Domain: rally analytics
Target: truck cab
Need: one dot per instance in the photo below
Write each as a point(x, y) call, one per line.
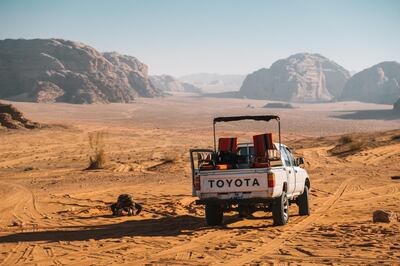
point(249, 176)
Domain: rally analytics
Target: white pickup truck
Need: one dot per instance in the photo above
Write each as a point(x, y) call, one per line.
point(247, 177)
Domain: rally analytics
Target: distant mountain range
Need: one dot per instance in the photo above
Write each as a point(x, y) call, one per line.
point(308, 77)
point(56, 70)
point(167, 83)
point(212, 82)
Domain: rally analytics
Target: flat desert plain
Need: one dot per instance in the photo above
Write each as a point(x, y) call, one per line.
point(53, 212)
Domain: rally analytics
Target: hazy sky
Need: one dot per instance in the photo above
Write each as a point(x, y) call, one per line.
point(183, 36)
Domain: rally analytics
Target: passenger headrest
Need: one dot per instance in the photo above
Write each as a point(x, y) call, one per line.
point(227, 144)
point(262, 143)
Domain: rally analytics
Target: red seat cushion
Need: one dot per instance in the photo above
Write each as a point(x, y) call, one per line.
point(262, 143)
point(227, 145)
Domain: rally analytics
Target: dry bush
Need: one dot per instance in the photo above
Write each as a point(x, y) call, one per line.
point(345, 139)
point(396, 137)
point(355, 146)
point(347, 145)
point(96, 143)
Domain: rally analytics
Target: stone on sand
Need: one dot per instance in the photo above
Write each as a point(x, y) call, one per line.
point(381, 216)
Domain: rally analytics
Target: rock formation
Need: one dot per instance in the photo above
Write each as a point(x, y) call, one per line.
point(11, 118)
point(279, 105)
point(299, 78)
point(168, 83)
point(190, 88)
point(136, 73)
point(377, 84)
point(55, 70)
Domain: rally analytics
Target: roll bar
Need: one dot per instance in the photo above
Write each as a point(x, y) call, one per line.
point(266, 118)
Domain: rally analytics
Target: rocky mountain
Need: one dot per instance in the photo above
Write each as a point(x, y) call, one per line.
point(377, 84)
point(396, 105)
point(55, 70)
point(168, 83)
point(301, 77)
point(11, 118)
point(212, 83)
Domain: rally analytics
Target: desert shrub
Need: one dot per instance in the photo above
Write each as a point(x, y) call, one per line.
point(345, 139)
point(396, 137)
point(96, 143)
point(355, 146)
point(347, 145)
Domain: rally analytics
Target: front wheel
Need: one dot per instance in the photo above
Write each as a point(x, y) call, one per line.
point(280, 210)
point(302, 202)
point(214, 214)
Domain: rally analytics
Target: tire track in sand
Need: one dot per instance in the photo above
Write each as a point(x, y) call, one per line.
point(214, 237)
point(277, 242)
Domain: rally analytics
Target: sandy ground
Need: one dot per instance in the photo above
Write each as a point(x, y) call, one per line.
point(53, 212)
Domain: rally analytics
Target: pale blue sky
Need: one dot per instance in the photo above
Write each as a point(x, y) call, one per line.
point(229, 37)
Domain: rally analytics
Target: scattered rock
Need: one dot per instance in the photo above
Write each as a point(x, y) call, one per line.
point(279, 105)
point(16, 223)
point(12, 118)
point(381, 216)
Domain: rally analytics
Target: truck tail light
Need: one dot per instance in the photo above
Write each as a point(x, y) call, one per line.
point(197, 182)
point(271, 179)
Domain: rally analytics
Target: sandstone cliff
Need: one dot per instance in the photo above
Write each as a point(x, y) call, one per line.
point(55, 70)
point(300, 78)
point(377, 84)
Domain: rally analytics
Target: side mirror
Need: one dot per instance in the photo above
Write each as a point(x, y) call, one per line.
point(299, 161)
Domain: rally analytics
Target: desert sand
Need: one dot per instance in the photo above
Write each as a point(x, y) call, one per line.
point(53, 212)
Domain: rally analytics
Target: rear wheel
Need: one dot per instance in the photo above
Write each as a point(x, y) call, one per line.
point(214, 214)
point(114, 209)
point(302, 202)
point(280, 210)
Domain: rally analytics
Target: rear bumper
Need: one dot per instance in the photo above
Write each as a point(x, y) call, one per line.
point(266, 201)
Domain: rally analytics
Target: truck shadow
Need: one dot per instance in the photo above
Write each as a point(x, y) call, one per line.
point(166, 226)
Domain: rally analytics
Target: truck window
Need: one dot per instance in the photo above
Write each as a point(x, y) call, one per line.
point(251, 152)
point(285, 157)
point(290, 156)
point(243, 156)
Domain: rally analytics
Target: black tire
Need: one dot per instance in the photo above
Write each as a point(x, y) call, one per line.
point(214, 214)
point(114, 209)
point(302, 202)
point(280, 210)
